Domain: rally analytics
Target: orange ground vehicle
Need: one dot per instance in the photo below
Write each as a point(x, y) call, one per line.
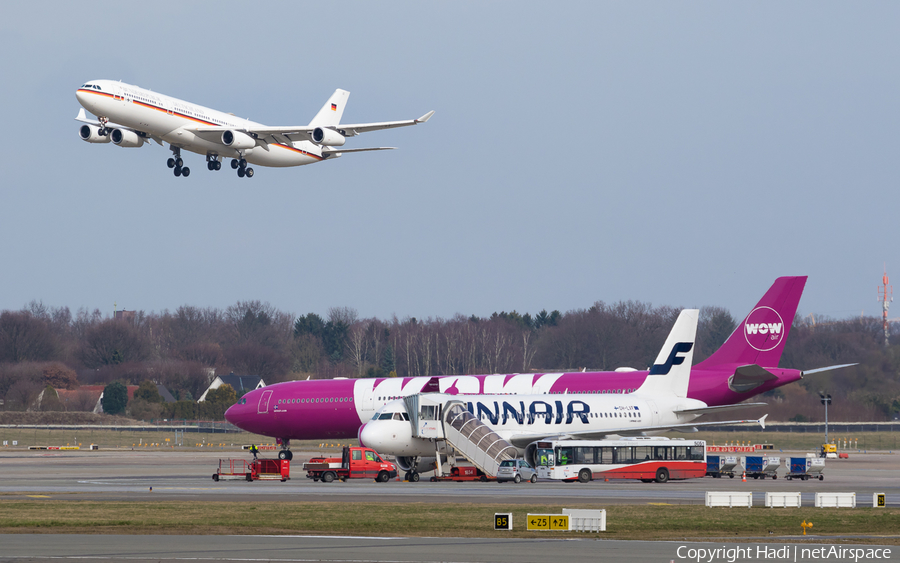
point(354, 463)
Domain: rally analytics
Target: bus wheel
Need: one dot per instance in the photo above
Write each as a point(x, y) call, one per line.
point(327, 477)
point(584, 475)
point(662, 475)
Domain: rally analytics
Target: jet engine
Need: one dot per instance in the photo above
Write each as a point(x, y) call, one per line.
point(91, 134)
point(424, 464)
point(327, 137)
point(237, 140)
point(126, 138)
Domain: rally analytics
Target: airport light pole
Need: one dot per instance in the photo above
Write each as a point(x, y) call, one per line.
point(826, 400)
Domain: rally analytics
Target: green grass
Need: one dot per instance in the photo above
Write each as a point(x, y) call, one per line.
point(691, 522)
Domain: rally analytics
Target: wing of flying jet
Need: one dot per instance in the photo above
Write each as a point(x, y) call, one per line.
point(522, 440)
point(83, 118)
point(326, 135)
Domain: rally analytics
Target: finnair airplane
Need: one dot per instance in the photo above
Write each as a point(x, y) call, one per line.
point(659, 404)
point(745, 365)
point(128, 116)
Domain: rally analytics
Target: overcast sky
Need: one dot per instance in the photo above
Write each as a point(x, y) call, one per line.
point(676, 153)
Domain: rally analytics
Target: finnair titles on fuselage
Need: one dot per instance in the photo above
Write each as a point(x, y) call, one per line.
point(128, 116)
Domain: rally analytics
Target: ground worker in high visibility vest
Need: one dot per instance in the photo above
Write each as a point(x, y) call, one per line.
point(254, 450)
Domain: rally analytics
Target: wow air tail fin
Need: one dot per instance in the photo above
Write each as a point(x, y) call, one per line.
point(331, 112)
point(671, 372)
point(759, 339)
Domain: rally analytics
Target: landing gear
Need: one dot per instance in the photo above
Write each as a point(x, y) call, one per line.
point(177, 164)
point(104, 130)
point(242, 168)
point(213, 162)
point(285, 453)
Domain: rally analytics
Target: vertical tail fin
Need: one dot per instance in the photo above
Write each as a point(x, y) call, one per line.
point(331, 112)
point(759, 339)
point(671, 372)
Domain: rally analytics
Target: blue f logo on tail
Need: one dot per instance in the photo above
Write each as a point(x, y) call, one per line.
point(673, 360)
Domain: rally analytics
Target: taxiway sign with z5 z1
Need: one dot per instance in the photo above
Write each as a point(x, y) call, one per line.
point(129, 116)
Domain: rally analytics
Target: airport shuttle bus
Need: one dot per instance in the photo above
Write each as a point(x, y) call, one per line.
point(648, 459)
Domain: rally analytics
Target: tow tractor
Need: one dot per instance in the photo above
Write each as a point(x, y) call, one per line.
point(354, 463)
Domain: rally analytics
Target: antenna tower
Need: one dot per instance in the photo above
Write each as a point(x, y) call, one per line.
point(885, 295)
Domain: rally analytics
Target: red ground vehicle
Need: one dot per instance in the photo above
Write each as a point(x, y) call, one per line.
point(463, 473)
point(354, 463)
point(256, 470)
point(270, 469)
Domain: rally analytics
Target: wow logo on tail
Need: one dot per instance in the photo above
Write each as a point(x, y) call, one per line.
point(764, 329)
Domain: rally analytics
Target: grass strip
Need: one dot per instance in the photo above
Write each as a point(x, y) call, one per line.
point(670, 522)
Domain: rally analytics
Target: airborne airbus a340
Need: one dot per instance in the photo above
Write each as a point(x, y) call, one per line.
point(128, 116)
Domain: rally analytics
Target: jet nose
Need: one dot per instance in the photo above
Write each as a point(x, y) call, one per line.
point(371, 436)
point(359, 434)
point(80, 96)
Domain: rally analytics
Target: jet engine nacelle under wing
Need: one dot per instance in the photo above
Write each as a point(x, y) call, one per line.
point(91, 134)
point(328, 137)
point(237, 140)
point(126, 138)
point(425, 464)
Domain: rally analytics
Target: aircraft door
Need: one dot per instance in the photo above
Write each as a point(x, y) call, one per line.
point(368, 403)
point(654, 414)
point(264, 402)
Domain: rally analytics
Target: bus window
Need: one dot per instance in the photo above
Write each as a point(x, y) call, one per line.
point(545, 457)
point(662, 452)
point(623, 455)
point(643, 453)
point(605, 455)
point(584, 455)
point(696, 452)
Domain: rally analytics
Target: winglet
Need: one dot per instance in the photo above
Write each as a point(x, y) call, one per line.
point(425, 117)
point(762, 421)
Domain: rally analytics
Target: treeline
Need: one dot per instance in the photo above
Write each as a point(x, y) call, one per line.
point(182, 350)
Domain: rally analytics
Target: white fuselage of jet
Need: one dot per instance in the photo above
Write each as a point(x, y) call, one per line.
point(173, 120)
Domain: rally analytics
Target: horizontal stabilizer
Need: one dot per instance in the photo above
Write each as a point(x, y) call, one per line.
point(829, 368)
point(341, 151)
point(722, 408)
point(524, 439)
point(749, 377)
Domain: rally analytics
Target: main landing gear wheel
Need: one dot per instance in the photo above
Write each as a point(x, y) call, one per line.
point(286, 454)
point(414, 476)
point(242, 168)
point(177, 164)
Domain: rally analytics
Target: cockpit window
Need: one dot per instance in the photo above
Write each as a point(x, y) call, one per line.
point(243, 401)
point(385, 416)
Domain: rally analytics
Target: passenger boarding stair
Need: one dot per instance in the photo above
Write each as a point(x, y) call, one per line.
point(442, 417)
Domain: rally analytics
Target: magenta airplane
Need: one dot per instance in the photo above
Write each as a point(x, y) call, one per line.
point(745, 365)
